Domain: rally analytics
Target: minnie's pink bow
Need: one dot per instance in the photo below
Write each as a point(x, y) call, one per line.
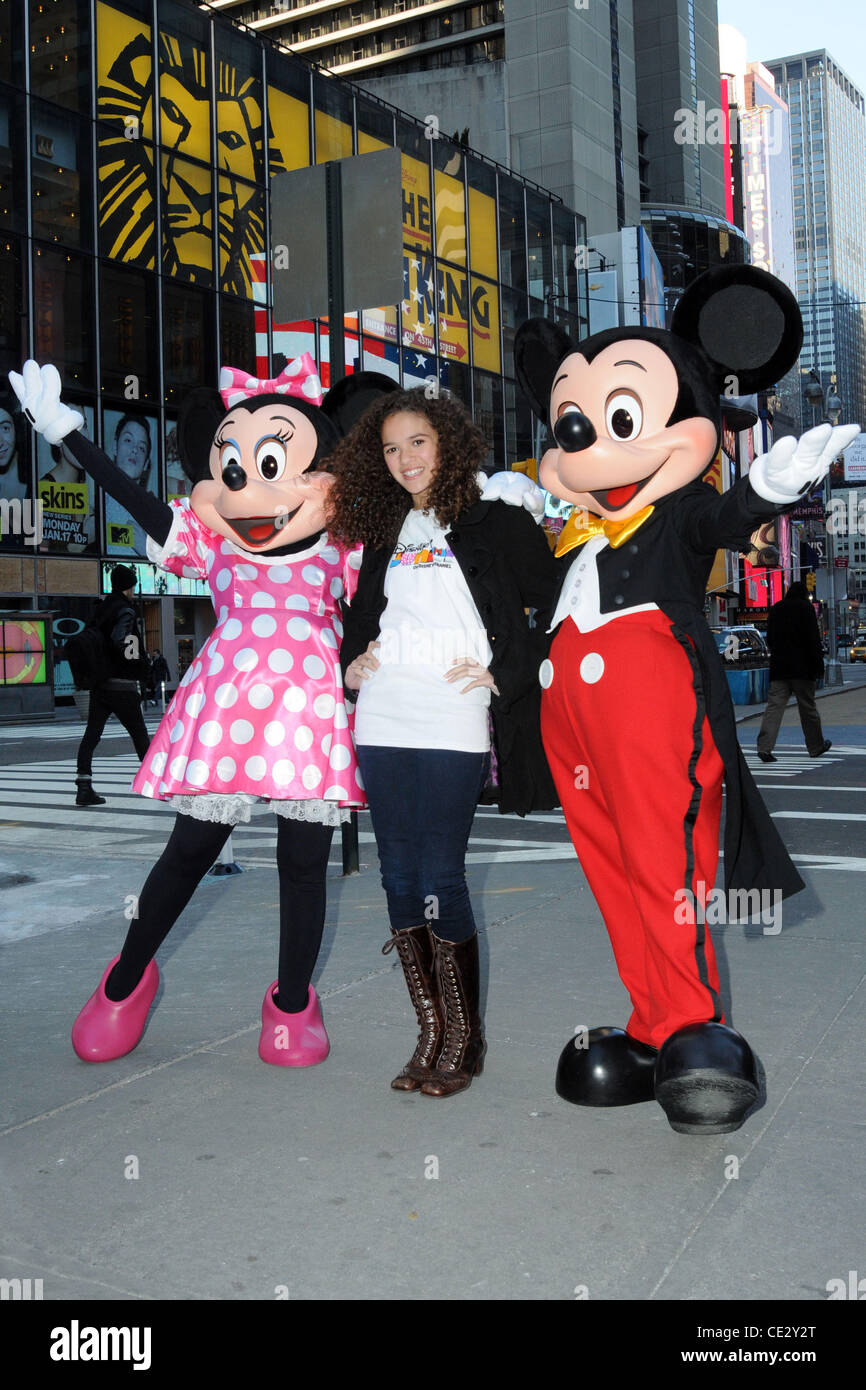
point(298, 378)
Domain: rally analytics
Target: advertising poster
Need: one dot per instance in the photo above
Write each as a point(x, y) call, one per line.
point(14, 467)
point(67, 496)
point(130, 442)
point(854, 459)
point(177, 484)
point(22, 651)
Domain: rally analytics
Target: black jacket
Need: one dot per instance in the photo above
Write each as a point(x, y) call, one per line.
point(119, 622)
point(794, 641)
point(667, 561)
point(508, 567)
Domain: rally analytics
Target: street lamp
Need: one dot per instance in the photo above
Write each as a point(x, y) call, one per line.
point(830, 407)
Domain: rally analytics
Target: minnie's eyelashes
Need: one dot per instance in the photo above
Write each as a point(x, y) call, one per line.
point(286, 437)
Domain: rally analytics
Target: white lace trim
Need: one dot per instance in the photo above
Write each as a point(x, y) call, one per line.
point(225, 810)
point(236, 809)
point(317, 811)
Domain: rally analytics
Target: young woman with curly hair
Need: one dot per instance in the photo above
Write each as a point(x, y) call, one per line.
point(438, 647)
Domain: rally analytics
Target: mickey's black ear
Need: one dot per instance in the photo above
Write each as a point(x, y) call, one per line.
point(539, 347)
point(747, 322)
point(346, 402)
point(197, 424)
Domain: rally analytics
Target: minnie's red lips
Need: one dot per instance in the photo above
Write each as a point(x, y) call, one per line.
point(258, 530)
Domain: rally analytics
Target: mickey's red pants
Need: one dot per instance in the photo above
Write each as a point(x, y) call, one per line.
point(640, 781)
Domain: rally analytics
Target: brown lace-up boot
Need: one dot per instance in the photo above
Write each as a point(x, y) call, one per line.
point(415, 949)
point(463, 1045)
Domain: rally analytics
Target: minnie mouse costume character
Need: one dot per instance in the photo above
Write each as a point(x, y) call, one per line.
point(637, 719)
point(260, 713)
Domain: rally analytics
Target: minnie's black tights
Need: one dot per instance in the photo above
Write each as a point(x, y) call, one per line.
point(193, 846)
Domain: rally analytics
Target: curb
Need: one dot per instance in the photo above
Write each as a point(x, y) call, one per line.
point(758, 710)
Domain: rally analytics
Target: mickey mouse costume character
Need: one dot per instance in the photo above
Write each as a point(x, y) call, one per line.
point(260, 713)
point(637, 719)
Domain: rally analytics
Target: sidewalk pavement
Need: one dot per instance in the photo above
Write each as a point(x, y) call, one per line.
point(190, 1170)
point(854, 679)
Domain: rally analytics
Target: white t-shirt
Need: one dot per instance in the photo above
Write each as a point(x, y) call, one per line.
point(429, 622)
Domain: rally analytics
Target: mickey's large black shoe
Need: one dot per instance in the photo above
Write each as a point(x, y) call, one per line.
point(705, 1079)
point(606, 1067)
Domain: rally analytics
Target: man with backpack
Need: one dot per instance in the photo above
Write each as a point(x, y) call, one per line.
point(108, 659)
point(796, 665)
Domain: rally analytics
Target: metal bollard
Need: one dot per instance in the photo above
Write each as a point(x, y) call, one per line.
point(225, 865)
point(349, 834)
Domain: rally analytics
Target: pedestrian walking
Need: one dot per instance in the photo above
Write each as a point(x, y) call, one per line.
point(114, 689)
point(158, 675)
point(438, 648)
point(796, 665)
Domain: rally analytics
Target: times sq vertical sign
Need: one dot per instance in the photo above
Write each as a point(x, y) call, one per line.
point(756, 147)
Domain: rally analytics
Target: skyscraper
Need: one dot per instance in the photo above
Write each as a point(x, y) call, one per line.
point(548, 90)
point(370, 38)
point(676, 50)
point(759, 192)
point(828, 157)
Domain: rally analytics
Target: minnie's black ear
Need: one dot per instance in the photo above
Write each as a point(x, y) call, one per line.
point(346, 402)
point(198, 422)
point(539, 347)
point(747, 322)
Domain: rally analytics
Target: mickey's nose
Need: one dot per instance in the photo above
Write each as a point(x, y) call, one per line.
point(574, 431)
point(234, 477)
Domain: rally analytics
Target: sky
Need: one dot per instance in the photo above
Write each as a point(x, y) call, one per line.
point(774, 28)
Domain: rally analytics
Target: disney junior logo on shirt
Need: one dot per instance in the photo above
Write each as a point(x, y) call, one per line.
point(424, 556)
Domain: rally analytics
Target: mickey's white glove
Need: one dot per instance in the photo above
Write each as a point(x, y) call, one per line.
point(38, 390)
point(515, 489)
point(793, 467)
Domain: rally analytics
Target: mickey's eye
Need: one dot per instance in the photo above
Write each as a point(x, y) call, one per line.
point(565, 408)
point(271, 459)
point(623, 415)
point(229, 453)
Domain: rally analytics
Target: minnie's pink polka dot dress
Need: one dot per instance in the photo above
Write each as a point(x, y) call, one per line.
point(261, 709)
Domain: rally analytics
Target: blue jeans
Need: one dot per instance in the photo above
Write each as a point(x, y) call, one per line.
point(422, 803)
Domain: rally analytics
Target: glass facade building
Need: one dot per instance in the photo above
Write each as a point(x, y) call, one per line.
point(373, 37)
point(828, 158)
point(689, 242)
point(135, 165)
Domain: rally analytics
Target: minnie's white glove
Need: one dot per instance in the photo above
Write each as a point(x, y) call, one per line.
point(38, 390)
point(793, 467)
point(515, 489)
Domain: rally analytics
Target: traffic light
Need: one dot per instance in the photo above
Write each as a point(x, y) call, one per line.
point(810, 583)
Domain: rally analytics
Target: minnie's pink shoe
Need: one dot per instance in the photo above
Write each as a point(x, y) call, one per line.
point(293, 1040)
point(105, 1030)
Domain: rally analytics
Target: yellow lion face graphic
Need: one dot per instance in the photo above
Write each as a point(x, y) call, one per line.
point(189, 188)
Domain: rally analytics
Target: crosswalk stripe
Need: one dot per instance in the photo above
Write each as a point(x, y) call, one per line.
point(846, 862)
point(57, 733)
point(37, 806)
point(808, 787)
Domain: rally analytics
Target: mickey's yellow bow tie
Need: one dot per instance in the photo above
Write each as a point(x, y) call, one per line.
point(582, 526)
